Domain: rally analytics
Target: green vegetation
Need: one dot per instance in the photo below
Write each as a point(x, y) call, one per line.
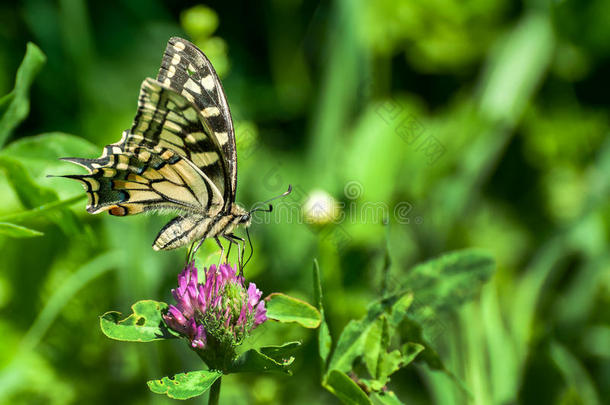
point(450, 167)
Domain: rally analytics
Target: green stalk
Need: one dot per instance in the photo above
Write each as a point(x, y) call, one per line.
point(215, 392)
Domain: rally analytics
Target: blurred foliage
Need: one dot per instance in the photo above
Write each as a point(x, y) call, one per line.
point(456, 125)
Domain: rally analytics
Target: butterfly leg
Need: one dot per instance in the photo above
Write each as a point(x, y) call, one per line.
point(222, 249)
point(190, 255)
point(240, 249)
point(228, 252)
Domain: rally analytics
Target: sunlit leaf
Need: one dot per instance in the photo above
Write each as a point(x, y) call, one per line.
point(286, 309)
point(145, 324)
point(185, 385)
point(17, 231)
point(16, 105)
point(345, 388)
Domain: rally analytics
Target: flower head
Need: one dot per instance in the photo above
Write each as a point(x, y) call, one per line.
point(217, 313)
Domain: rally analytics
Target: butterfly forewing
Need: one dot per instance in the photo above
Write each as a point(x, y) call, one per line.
point(188, 71)
point(168, 120)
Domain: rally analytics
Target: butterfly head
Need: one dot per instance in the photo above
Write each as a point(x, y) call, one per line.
point(242, 216)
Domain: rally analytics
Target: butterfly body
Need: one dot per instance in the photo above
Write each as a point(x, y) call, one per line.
point(182, 230)
point(179, 155)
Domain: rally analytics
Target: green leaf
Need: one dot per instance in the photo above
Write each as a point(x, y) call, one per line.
point(286, 309)
point(281, 353)
point(399, 310)
point(445, 283)
point(145, 324)
point(351, 342)
point(385, 398)
point(30, 194)
point(41, 154)
point(68, 288)
point(33, 195)
point(324, 338)
point(391, 362)
point(185, 385)
point(409, 352)
point(16, 105)
point(412, 331)
point(373, 349)
point(18, 231)
point(345, 389)
point(273, 360)
point(41, 210)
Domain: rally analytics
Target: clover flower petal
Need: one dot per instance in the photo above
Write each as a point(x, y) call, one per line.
point(219, 309)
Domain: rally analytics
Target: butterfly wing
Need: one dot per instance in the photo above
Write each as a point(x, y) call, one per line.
point(138, 179)
point(178, 155)
point(187, 71)
point(169, 150)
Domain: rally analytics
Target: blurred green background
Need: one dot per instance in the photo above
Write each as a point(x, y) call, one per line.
point(471, 124)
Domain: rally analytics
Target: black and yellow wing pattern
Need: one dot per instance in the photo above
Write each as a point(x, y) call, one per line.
point(179, 155)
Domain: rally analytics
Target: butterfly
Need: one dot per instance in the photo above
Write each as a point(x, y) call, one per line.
point(179, 156)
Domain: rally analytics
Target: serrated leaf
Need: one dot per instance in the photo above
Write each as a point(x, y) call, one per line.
point(255, 361)
point(286, 309)
point(324, 338)
point(145, 324)
point(16, 105)
point(185, 385)
point(18, 231)
point(344, 388)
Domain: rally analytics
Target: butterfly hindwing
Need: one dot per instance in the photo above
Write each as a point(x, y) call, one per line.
point(141, 179)
point(186, 70)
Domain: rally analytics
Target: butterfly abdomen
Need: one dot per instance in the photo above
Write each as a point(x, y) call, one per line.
point(183, 230)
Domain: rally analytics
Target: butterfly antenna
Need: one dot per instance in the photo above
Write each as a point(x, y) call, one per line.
point(284, 194)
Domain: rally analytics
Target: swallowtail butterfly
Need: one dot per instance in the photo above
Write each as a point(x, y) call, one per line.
point(179, 155)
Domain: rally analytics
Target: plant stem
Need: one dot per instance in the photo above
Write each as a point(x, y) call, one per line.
point(215, 392)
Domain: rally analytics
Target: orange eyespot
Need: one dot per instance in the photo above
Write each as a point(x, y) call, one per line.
point(118, 211)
